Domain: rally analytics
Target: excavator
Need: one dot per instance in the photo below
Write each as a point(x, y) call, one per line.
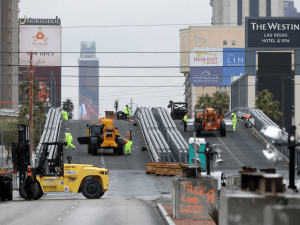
point(103, 136)
point(209, 121)
point(91, 180)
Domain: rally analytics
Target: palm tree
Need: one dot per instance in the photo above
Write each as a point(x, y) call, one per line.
point(221, 101)
point(203, 102)
point(68, 106)
point(264, 101)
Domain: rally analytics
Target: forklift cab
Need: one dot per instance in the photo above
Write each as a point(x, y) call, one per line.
point(95, 130)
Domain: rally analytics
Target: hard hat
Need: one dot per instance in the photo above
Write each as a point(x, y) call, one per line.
point(28, 167)
point(232, 114)
point(94, 123)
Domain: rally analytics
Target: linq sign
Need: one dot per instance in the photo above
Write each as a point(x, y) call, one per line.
point(273, 33)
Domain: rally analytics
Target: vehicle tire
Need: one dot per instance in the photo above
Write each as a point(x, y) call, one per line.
point(94, 150)
point(115, 150)
point(120, 150)
point(173, 116)
point(34, 189)
point(89, 149)
point(101, 194)
point(40, 192)
point(92, 189)
point(9, 191)
point(2, 191)
point(198, 129)
point(223, 129)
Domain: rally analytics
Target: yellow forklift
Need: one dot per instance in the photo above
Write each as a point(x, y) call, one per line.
point(103, 136)
point(91, 180)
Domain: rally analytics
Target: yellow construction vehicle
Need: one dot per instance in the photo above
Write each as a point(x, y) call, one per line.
point(91, 180)
point(103, 136)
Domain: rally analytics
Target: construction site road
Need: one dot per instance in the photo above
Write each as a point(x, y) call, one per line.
point(241, 148)
point(55, 209)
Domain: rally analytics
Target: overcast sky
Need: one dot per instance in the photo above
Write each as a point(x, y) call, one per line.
point(124, 39)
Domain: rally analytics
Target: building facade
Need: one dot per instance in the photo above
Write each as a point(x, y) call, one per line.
point(290, 10)
point(88, 82)
point(233, 12)
point(225, 46)
point(9, 45)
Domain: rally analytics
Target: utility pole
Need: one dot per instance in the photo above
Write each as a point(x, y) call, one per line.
point(31, 106)
point(131, 105)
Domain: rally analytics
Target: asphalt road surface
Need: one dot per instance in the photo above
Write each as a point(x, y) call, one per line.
point(131, 197)
point(241, 148)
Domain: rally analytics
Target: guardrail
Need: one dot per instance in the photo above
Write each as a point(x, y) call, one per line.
point(262, 120)
point(178, 146)
point(158, 148)
point(50, 133)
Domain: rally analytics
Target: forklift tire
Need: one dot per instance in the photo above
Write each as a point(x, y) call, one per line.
point(173, 117)
point(89, 149)
point(8, 191)
point(94, 150)
point(2, 191)
point(198, 129)
point(120, 150)
point(223, 129)
point(92, 189)
point(40, 192)
point(115, 150)
point(34, 189)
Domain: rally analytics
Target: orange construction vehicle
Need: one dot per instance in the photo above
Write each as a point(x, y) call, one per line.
point(103, 136)
point(209, 121)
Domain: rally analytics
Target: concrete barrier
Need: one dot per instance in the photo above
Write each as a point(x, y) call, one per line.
point(192, 198)
point(247, 208)
point(281, 214)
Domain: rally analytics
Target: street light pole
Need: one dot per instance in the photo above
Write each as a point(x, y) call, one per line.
point(31, 106)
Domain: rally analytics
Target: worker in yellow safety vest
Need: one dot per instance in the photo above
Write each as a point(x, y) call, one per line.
point(65, 115)
point(69, 140)
point(185, 121)
point(234, 120)
point(128, 144)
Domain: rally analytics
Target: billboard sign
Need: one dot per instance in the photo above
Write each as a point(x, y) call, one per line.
point(233, 64)
point(203, 76)
point(206, 57)
point(88, 90)
point(273, 33)
point(44, 42)
point(42, 37)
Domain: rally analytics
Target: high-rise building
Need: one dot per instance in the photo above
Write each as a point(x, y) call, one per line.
point(233, 12)
point(290, 10)
point(9, 58)
point(88, 82)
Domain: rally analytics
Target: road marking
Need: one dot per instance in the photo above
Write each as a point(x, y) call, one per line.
point(105, 194)
point(59, 218)
point(230, 152)
point(73, 207)
point(102, 161)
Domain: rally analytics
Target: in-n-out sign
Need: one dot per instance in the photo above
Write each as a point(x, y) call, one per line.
point(275, 26)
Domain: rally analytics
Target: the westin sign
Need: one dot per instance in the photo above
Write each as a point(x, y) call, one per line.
point(273, 33)
point(29, 21)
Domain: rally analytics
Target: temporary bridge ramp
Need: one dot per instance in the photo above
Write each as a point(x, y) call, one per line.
point(50, 133)
point(173, 137)
point(159, 149)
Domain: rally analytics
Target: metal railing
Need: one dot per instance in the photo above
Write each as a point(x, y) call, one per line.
point(159, 149)
point(178, 146)
point(262, 120)
point(50, 133)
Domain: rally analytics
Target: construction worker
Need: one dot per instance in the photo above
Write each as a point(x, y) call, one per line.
point(234, 120)
point(29, 178)
point(246, 118)
point(65, 115)
point(129, 113)
point(128, 144)
point(69, 140)
point(185, 121)
point(126, 111)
